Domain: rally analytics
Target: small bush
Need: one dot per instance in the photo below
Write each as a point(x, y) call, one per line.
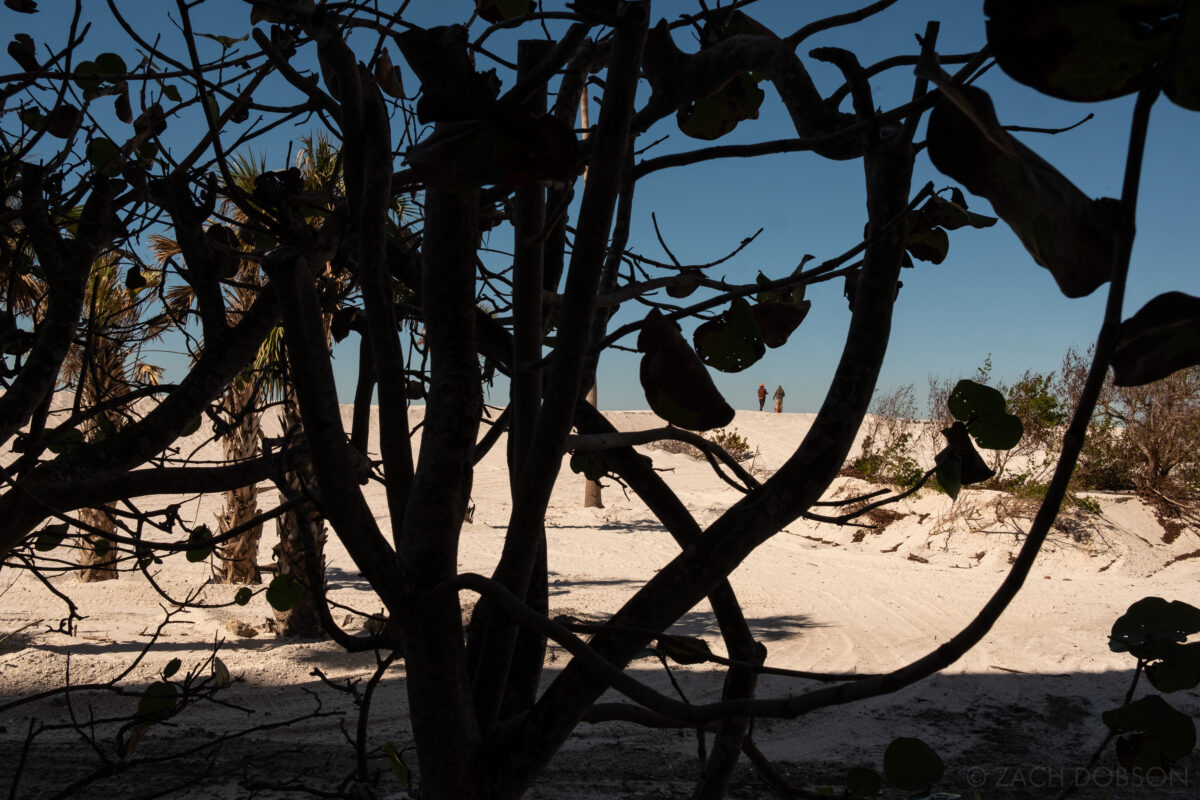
point(733, 442)
point(891, 464)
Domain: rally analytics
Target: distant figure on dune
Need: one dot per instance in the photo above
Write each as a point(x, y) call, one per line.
point(779, 393)
point(762, 396)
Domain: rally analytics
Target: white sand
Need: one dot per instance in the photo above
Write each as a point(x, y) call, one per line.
point(820, 597)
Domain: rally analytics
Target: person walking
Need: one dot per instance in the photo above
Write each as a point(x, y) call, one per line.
point(779, 393)
point(762, 396)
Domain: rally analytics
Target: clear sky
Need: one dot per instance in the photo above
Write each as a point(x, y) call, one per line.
point(988, 296)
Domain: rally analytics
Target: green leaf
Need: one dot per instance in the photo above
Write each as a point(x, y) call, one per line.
point(110, 64)
point(588, 464)
point(220, 673)
point(863, 782)
point(1162, 337)
point(399, 768)
point(1065, 231)
point(970, 466)
point(997, 431)
point(104, 155)
point(716, 115)
point(243, 596)
point(949, 475)
point(1150, 624)
point(732, 342)
point(1161, 735)
point(172, 93)
point(969, 400)
point(927, 244)
point(953, 215)
point(685, 649)
point(158, 701)
point(500, 10)
point(171, 668)
point(51, 537)
point(200, 544)
point(84, 76)
point(910, 764)
point(284, 592)
point(64, 441)
point(680, 292)
point(145, 556)
point(1090, 50)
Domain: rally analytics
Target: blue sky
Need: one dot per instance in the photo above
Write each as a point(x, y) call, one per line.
point(988, 296)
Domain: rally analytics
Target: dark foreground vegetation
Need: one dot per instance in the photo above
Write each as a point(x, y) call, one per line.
point(137, 210)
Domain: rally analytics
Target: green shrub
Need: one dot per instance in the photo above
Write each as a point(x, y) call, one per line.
point(733, 442)
point(890, 465)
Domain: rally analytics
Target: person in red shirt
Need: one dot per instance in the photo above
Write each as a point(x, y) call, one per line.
point(762, 396)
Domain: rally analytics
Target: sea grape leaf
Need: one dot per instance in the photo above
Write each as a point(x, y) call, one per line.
point(863, 782)
point(51, 537)
point(1065, 231)
point(716, 115)
point(171, 668)
point(777, 321)
point(680, 292)
point(283, 592)
point(997, 431)
point(511, 147)
point(949, 474)
point(24, 52)
point(1177, 670)
point(1159, 734)
point(388, 76)
point(684, 649)
point(104, 155)
point(1151, 623)
point(971, 466)
point(677, 384)
point(924, 240)
point(110, 64)
point(64, 441)
point(732, 342)
point(243, 596)
point(500, 10)
point(953, 214)
point(85, 76)
point(969, 400)
point(910, 764)
point(200, 544)
point(158, 701)
point(588, 464)
point(1162, 337)
point(1090, 50)
point(62, 120)
point(191, 427)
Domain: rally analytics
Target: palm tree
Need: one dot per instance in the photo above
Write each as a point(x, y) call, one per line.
point(105, 365)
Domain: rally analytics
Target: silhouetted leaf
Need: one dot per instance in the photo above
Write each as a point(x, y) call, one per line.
point(500, 10)
point(85, 76)
point(924, 240)
point(171, 668)
point(588, 464)
point(949, 473)
point(223, 241)
point(111, 65)
point(1162, 337)
point(677, 385)
point(1092, 50)
point(732, 342)
point(969, 400)
point(399, 768)
point(1151, 623)
point(22, 6)
point(122, 108)
point(51, 537)
point(1160, 735)
point(172, 93)
point(158, 701)
point(910, 764)
point(226, 42)
point(971, 467)
point(283, 592)
point(191, 427)
point(134, 279)
point(200, 545)
point(388, 76)
point(1177, 670)
point(863, 782)
point(777, 321)
point(1065, 231)
point(24, 52)
point(684, 649)
point(63, 120)
point(104, 155)
point(716, 115)
point(680, 292)
point(243, 596)
point(64, 441)
point(997, 431)
point(510, 148)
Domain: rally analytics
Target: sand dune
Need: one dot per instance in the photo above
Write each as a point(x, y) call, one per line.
point(821, 597)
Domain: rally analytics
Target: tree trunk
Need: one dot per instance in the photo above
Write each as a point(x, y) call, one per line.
point(300, 551)
point(98, 556)
point(237, 559)
point(591, 489)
